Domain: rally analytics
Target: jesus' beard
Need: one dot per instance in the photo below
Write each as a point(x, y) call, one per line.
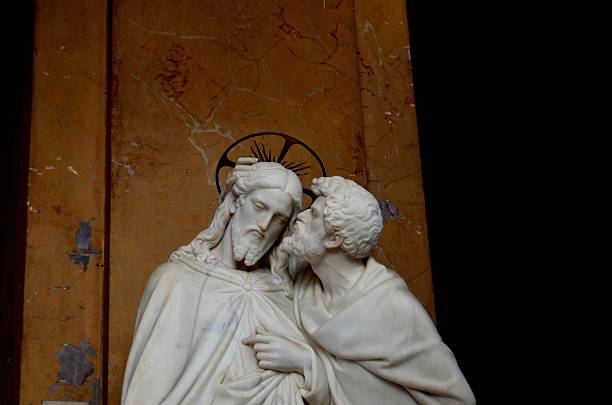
point(248, 246)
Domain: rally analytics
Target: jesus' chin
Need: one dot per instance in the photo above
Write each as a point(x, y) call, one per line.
point(248, 246)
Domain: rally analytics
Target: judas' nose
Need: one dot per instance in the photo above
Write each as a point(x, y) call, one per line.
point(301, 216)
point(263, 225)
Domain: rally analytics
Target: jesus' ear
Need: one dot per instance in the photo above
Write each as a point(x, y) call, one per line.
point(334, 240)
point(231, 203)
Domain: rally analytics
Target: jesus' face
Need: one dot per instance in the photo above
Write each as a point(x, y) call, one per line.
point(258, 222)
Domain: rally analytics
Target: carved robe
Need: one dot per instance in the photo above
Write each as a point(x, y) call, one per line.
point(187, 345)
point(379, 346)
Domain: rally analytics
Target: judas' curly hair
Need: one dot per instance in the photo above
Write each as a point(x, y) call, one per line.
point(351, 211)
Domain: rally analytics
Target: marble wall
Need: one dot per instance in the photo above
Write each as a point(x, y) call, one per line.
point(189, 78)
point(62, 354)
point(391, 141)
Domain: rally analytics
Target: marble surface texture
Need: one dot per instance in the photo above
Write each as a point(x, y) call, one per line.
point(189, 78)
point(63, 284)
point(343, 329)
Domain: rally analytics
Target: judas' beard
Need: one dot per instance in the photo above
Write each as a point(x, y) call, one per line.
point(302, 245)
point(248, 246)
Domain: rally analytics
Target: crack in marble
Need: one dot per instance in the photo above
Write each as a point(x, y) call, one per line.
point(195, 126)
point(366, 28)
point(257, 94)
point(170, 33)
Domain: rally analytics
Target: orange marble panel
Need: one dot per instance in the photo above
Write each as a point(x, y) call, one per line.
point(190, 78)
point(61, 353)
point(391, 141)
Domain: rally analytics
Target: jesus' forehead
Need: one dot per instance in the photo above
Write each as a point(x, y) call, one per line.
point(271, 200)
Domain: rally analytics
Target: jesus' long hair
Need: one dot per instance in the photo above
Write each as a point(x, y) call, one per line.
point(263, 175)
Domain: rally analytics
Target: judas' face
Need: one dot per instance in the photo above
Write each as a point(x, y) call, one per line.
point(258, 222)
point(307, 239)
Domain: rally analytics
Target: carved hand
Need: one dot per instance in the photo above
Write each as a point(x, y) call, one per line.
point(278, 353)
point(243, 165)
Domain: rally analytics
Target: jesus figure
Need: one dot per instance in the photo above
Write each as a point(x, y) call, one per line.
point(222, 287)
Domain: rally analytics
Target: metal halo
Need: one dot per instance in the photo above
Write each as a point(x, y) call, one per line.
point(288, 142)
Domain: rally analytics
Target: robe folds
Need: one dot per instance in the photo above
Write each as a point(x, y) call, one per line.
point(187, 345)
point(379, 345)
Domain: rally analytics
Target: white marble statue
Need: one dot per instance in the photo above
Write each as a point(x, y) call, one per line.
point(373, 339)
point(222, 287)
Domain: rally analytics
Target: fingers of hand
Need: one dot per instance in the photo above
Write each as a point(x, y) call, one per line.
point(257, 338)
point(265, 356)
point(262, 347)
point(266, 365)
point(247, 160)
point(261, 331)
point(249, 340)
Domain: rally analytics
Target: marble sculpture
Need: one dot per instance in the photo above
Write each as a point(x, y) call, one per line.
point(271, 305)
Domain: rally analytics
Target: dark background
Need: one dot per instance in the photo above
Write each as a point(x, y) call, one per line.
point(15, 93)
point(459, 92)
point(464, 75)
point(474, 92)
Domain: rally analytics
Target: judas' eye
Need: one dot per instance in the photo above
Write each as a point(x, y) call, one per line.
point(258, 206)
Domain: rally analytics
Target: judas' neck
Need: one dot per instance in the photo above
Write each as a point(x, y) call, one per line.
point(338, 273)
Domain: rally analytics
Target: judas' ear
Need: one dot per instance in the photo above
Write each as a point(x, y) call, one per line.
point(334, 240)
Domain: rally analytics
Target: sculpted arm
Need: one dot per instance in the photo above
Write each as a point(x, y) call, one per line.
point(289, 355)
point(155, 337)
point(414, 354)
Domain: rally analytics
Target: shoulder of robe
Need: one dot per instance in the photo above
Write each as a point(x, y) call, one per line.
point(403, 303)
point(171, 272)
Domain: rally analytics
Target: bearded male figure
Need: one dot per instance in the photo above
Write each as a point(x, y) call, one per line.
point(197, 308)
point(376, 342)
